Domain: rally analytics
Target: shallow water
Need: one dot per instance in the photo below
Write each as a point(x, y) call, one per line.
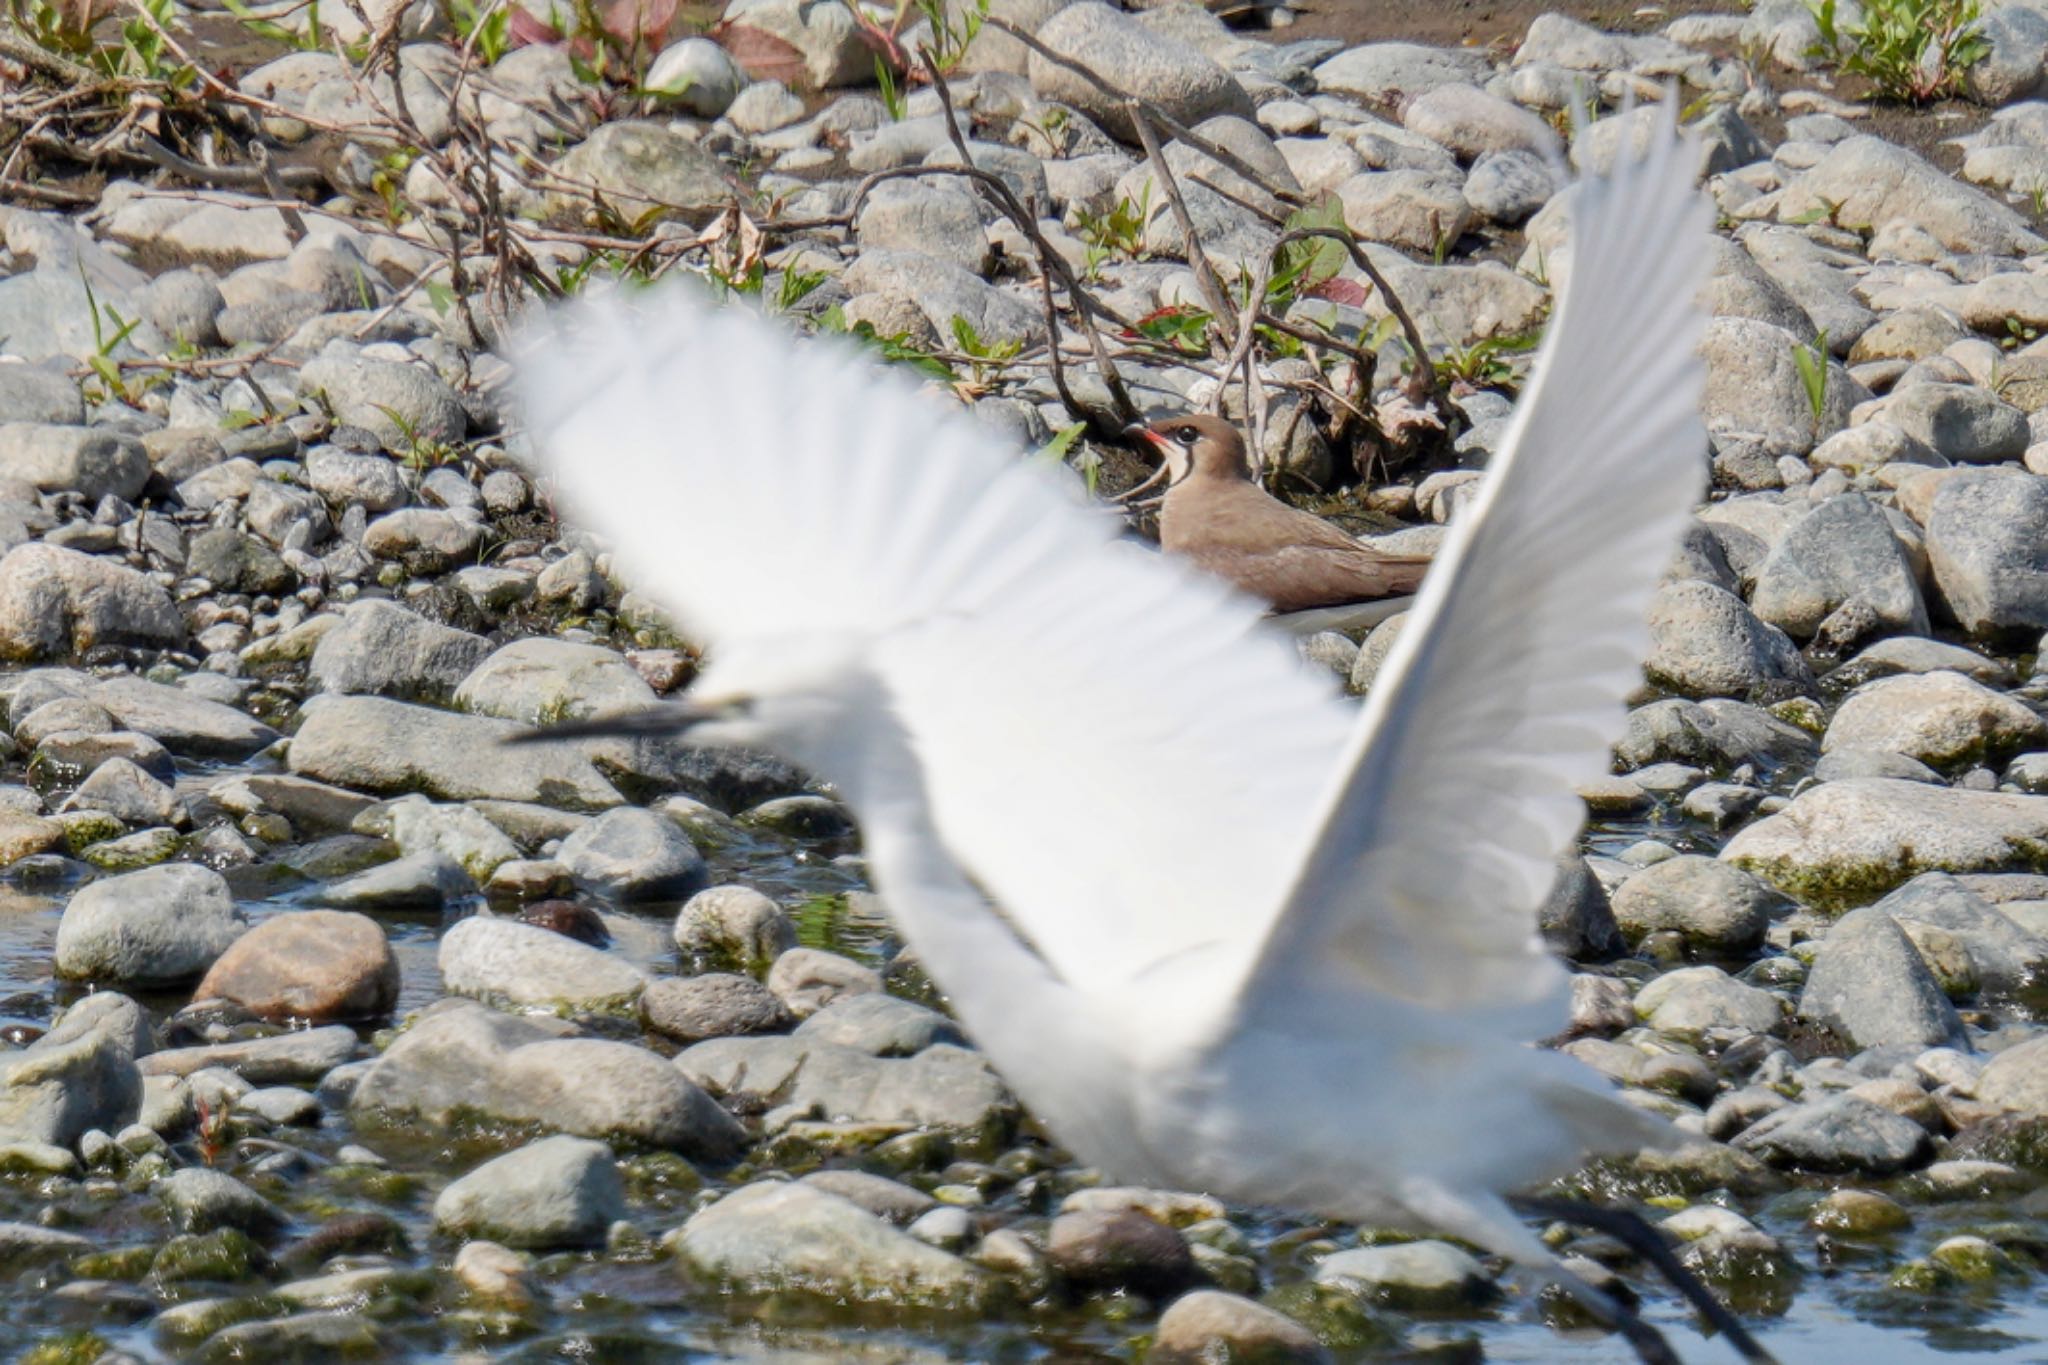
point(613, 1310)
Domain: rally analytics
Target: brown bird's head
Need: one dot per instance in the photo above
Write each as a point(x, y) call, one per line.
point(1208, 446)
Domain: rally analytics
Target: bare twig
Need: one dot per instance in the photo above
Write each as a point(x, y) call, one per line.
point(259, 177)
point(47, 194)
point(1050, 262)
point(1179, 131)
point(1198, 259)
point(1422, 385)
point(16, 46)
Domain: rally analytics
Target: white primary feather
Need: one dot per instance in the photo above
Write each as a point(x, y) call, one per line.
point(1438, 839)
point(1110, 749)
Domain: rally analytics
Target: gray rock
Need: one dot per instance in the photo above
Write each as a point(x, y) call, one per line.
point(634, 854)
point(381, 647)
point(1872, 183)
point(880, 1025)
point(463, 833)
point(1987, 544)
point(407, 406)
point(461, 1063)
point(182, 305)
point(504, 962)
point(129, 794)
point(538, 680)
point(764, 107)
point(793, 1237)
point(180, 719)
point(1718, 908)
point(641, 168)
point(1755, 393)
point(1417, 210)
point(1229, 228)
point(425, 540)
point(1209, 1325)
point(2011, 69)
point(1426, 1275)
point(1905, 654)
point(696, 74)
point(937, 220)
point(426, 880)
point(557, 1192)
point(714, 1005)
point(200, 1199)
point(1394, 71)
point(735, 924)
point(1576, 919)
point(1697, 1000)
point(287, 516)
point(234, 562)
point(1842, 551)
point(2017, 1078)
point(943, 1086)
point(808, 979)
point(1960, 422)
point(1870, 987)
point(161, 926)
point(374, 744)
point(1838, 1133)
point(1148, 64)
point(343, 478)
point(1942, 719)
point(94, 462)
point(892, 1201)
point(1704, 642)
point(943, 291)
point(2005, 958)
point(1716, 734)
point(33, 393)
point(55, 602)
point(1470, 122)
point(1843, 843)
point(79, 1076)
point(295, 1058)
point(1506, 187)
point(1123, 1250)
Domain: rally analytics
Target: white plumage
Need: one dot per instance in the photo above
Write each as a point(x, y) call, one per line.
point(1250, 941)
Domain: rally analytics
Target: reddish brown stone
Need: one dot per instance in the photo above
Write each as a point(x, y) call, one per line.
point(318, 965)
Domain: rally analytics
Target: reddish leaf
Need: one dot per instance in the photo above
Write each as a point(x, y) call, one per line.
point(761, 54)
point(1340, 290)
point(643, 21)
point(523, 28)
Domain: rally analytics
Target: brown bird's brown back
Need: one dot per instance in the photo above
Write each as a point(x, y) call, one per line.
point(1227, 525)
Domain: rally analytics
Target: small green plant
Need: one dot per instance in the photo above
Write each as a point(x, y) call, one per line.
point(795, 286)
point(896, 348)
point(1811, 360)
point(1178, 326)
point(893, 102)
point(1911, 50)
point(1484, 364)
point(1119, 232)
point(311, 38)
point(2018, 334)
point(421, 452)
point(1089, 465)
point(985, 358)
point(66, 27)
point(488, 31)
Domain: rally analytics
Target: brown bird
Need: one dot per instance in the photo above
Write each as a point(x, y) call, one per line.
point(1216, 517)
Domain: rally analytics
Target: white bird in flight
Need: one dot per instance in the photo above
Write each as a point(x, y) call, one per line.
point(1250, 941)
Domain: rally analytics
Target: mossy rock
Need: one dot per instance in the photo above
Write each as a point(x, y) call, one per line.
point(227, 1255)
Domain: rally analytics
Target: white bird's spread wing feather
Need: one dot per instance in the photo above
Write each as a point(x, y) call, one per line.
point(1505, 689)
point(1110, 749)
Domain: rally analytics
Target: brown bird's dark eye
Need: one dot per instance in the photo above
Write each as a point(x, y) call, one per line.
point(1186, 435)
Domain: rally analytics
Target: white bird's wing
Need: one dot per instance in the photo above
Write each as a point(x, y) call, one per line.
point(1110, 747)
point(1439, 840)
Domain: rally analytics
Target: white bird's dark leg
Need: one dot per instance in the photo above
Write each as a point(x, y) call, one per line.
point(1632, 1231)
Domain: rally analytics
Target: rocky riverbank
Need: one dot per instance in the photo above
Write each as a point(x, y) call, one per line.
point(338, 1029)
